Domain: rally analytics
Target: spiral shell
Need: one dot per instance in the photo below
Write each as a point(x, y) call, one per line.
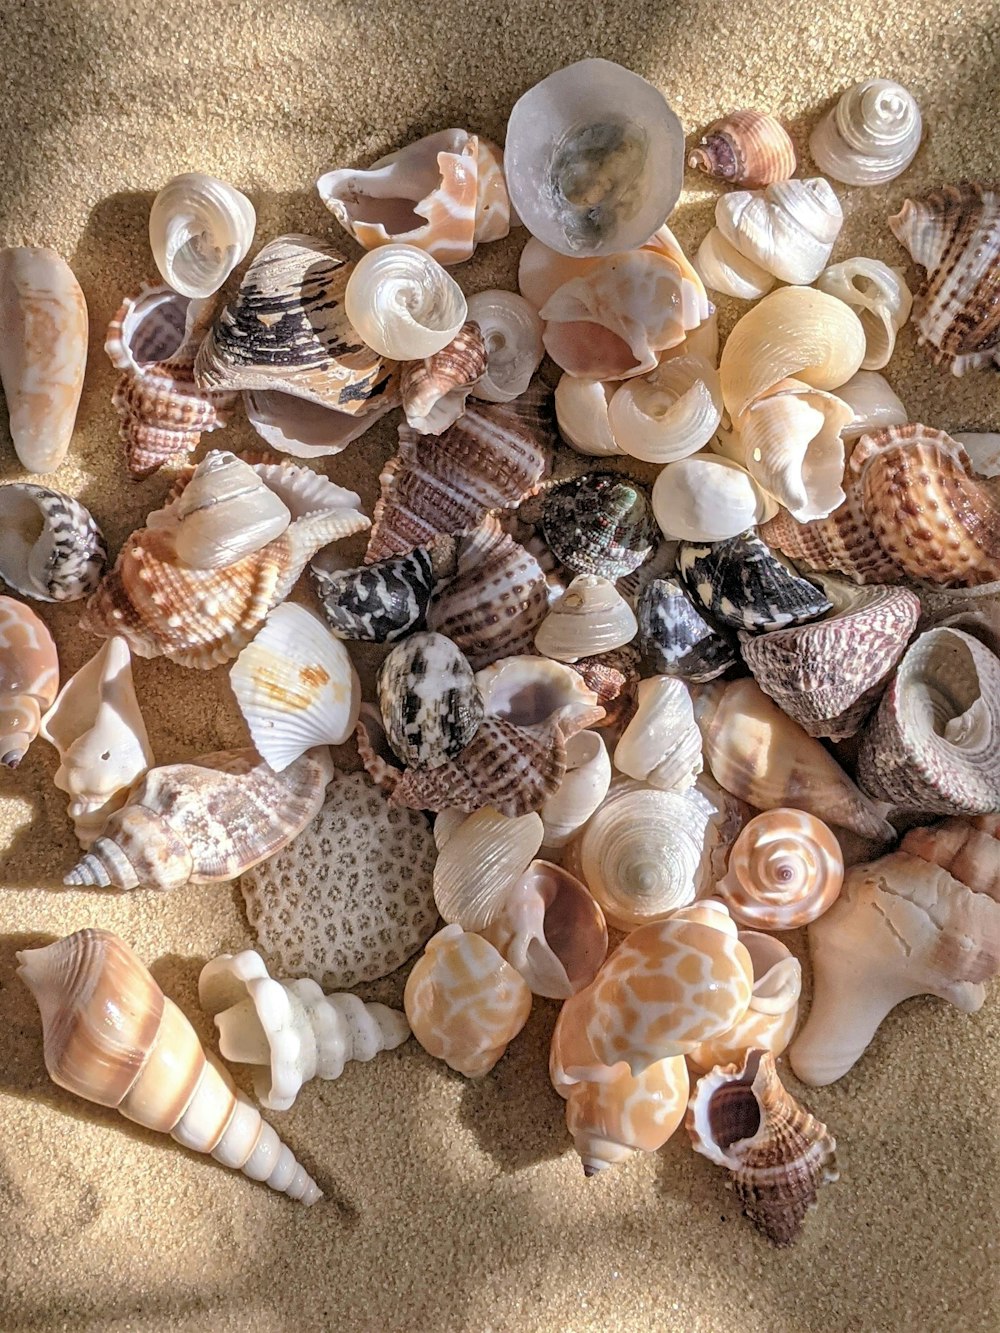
point(785, 869)
point(582, 411)
point(880, 296)
point(723, 268)
point(51, 548)
point(403, 303)
point(706, 498)
point(745, 148)
point(874, 403)
point(788, 229)
point(434, 390)
point(590, 617)
point(479, 862)
point(512, 333)
point(581, 792)
point(668, 414)
point(29, 678)
point(871, 135)
point(599, 523)
point(661, 744)
point(740, 583)
point(200, 228)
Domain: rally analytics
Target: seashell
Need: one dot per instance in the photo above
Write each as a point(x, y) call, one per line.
point(594, 159)
point(954, 234)
point(773, 1011)
point(479, 862)
point(43, 353)
point(599, 523)
point(384, 601)
point(785, 869)
point(676, 638)
point(880, 296)
point(581, 792)
point(754, 751)
point(778, 1155)
point(496, 599)
point(374, 750)
point(647, 852)
point(51, 548)
point(740, 583)
point(528, 690)
point(512, 332)
point(154, 341)
point(874, 403)
point(200, 228)
point(225, 511)
point(494, 457)
point(541, 271)
point(668, 414)
point(590, 617)
point(350, 899)
point(429, 700)
point(29, 678)
point(795, 332)
point(582, 411)
point(403, 303)
point(289, 1031)
point(464, 1002)
point(966, 848)
point(983, 450)
point(205, 821)
point(288, 329)
point(788, 229)
point(661, 744)
point(112, 1037)
point(97, 727)
point(705, 498)
point(722, 268)
point(871, 136)
point(745, 148)
point(494, 215)
point(614, 677)
point(434, 390)
point(551, 931)
point(828, 675)
point(308, 430)
point(932, 743)
point(902, 926)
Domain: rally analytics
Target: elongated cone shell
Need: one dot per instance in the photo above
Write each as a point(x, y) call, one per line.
point(785, 869)
point(743, 1118)
point(745, 148)
point(29, 678)
point(112, 1037)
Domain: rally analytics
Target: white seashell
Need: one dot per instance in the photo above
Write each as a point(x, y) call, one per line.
point(305, 429)
point(708, 498)
point(200, 228)
point(402, 303)
point(590, 617)
point(528, 690)
point(479, 860)
point(588, 777)
point(874, 403)
point(870, 136)
point(701, 341)
point(445, 824)
point(296, 687)
point(661, 744)
point(582, 413)
point(512, 331)
point(983, 451)
point(788, 229)
point(724, 269)
point(880, 296)
point(668, 414)
point(96, 726)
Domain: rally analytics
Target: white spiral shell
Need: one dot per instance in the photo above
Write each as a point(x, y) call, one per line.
point(870, 136)
point(512, 331)
point(668, 414)
point(787, 229)
point(402, 303)
point(881, 298)
point(200, 228)
point(723, 268)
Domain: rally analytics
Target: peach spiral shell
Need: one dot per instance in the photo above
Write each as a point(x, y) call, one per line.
point(786, 868)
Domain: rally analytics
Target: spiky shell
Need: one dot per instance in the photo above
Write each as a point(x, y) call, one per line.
point(600, 523)
point(742, 584)
point(386, 600)
point(745, 148)
point(50, 545)
point(675, 638)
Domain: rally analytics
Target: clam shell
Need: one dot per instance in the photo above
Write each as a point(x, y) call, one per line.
point(50, 546)
point(788, 229)
point(512, 333)
point(880, 296)
point(429, 700)
point(785, 869)
point(384, 601)
point(200, 228)
point(874, 403)
point(304, 429)
point(434, 390)
point(708, 498)
point(745, 148)
point(661, 744)
point(675, 637)
point(29, 678)
point(724, 269)
point(600, 524)
point(740, 583)
point(479, 862)
point(403, 303)
point(582, 411)
point(668, 414)
point(590, 617)
point(870, 136)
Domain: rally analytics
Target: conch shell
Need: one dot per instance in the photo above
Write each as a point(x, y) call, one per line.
point(870, 136)
point(512, 332)
point(200, 228)
point(50, 545)
point(785, 869)
point(112, 1037)
point(788, 229)
point(745, 148)
point(29, 678)
point(434, 390)
point(661, 744)
point(403, 303)
point(880, 296)
point(707, 498)
point(590, 617)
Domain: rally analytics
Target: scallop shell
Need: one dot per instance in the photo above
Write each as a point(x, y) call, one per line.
point(661, 744)
point(350, 899)
point(304, 429)
point(429, 700)
point(594, 159)
point(675, 637)
point(434, 391)
point(954, 234)
point(528, 690)
point(581, 792)
point(722, 268)
point(787, 229)
point(745, 148)
point(582, 411)
point(740, 583)
point(870, 136)
point(154, 340)
point(200, 228)
point(600, 524)
point(385, 601)
point(668, 414)
point(50, 546)
point(785, 869)
point(479, 862)
point(29, 678)
point(512, 332)
point(880, 296)
point(705, 498)
point(828, 675)
point(874, 403)
point(403, 303)
point(288, 329)
point(590, 617)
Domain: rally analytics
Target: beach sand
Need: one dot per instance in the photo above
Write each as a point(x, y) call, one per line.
point(451, 1205)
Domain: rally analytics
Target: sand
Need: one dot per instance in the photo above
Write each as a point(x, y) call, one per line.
point(450, 1205)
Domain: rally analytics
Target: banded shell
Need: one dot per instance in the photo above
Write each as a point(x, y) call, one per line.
point(745, 148)
point(870, 136)
point(661, 744)
point(600, 524)
point(669, 413)
point(50, 546)
point(384, 601)
point(403, 303)
point(512, 333)
point(581, 792)
point(200, 228)
point(350, 899)
point(722, 268)
point(787, 229)
point(590, 617)
point(479, 861)
point(785, 869)
point(434, 390)
point(429, 700)
point(308, 430)
point(29, 678)
point(741, 583)
point(675, 637)
point(880, 296)
point(874, 403)
point(706, 498)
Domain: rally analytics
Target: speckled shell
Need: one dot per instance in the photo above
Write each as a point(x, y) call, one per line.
point(740, 583)
point(351, 898)
point(50, 546)
point(600, 523)
point(384, 601)
point(429, 700)
point(785, 869)
point(745, 148)
point(434, 390)
point(843, 541)
point(675, 638)
point(29, 678)
point(613, 676)
point(828, 676)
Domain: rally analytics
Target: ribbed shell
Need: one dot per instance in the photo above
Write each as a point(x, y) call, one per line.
point(675, 638)
point(967, 848)
point(600, 523)
point(383, 601)
point(785, 869)
point(613, 676)
point(742, 584)
point(745, 148)
point(434, 390)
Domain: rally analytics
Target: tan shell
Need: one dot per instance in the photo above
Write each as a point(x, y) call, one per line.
point(745, 148)
point(590, 617)
point(614, 678)
point(785, 869)
point(434, 390)
point(773, 1011)
point(880, 296)
point(29, 678)
point(874, 402)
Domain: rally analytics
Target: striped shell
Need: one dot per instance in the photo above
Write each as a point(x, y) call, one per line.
point(51, 548)
point(599, 523)
point(745, 148)
point(785, 869)
point(740, 583)
point(675, 638)
point(386, 600)
point(434, 390)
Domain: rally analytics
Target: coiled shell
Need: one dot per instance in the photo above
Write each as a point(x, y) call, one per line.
point(581, 792)
point(722, 268)
point(384, 601)
point(50, 546)
point(429, 700)
point(788, 229)
point(512, 332)
point(479, 862)
point(740, 583)
point(614, 677)
point(675, 637)
point(29, 678)
point(706, 498)
point(661, 744)
point(874, 403)
point(669, 413)
point(880, 296)
point(590, 617)
point(403, 303)
point(600, 524)
point(200, 228)
point(745, 148)
point(582, 411)
point(434, 390)
point(870, 136)
point(785, 869)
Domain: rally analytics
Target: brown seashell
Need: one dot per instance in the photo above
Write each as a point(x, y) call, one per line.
point(967, 848)
point(434, 390)
point(614, 677)
point(747, 148)
point(374, 750)
point(743, 1118)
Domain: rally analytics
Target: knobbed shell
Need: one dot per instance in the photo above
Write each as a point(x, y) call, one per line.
point(741, 583)
point(205, 821)
point(785, 869)
point(309, 430)
point(707, 498)
point(403, 303)
point(97, 727)
point(745, 148)
point(512, 332)
point(874, 402)
point(112, 1037)
point(200, 228)
point(29, 678)
point(661, 744)
point(669, 413)
point(582, 411)
point(870, 136)
point(778, 1155)
point(43, 353)
point(464, 1002)
point(880, 296)
point(725, 269)
point(676, 638)
point(594, 159)
point(50, 545)
point(480, 860)
point(384, 601)
point(788, 229)
point(590, 617)
point(599, 523)
point(434, 390)
point(429, 700)
point(581, 792)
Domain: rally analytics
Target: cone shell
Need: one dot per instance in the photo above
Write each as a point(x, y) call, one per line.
point(590, 617)
point(50, 545)
point(773, 1011)
point(384, 601)
point(870, 136)
point(29, 678)
point(745, 148)
point(600, 523)
point(479, 863)
point(428, 699)
point(740, 583)
point(785, 869)
point(675, 637)
point(434, 390)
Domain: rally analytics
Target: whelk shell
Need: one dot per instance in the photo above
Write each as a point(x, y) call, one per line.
point(403, 303)
point(200, 228)
point(874, 403)
point(429, 700)
point(590, 617)
point(745, 148)
point(870, 136)
point(669, 413)
point(304, 429)
point(675, 637)
point(741, 583)
point(29, 678)
point(707, 498)
point(479, 862)
point(386, 600)
point(785, 869)
point(880, 296)
point(512, 332)
point(600, 524)
point(661, 744)
point(50, 546)
point(724, 269)
point(434, 390)
point(788, 229)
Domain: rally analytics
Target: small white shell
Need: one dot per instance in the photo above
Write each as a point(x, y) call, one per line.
point(588, 777)
point(788, 229)
point(870, 136)
point(708, 498)
point(983, 449)
point(661, 744)
point(479, 859)
point(582, 413)
point(402, 303)
point(590, 617)
point(512, 331)
point(668, 414)
point(874, 403)
point(722, 267)
point(304, 429)
point(528, 690)
point(199, 230)
point(880, 296)
point(296, 687)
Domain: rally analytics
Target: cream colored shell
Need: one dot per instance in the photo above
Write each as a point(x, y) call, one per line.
point(661, 744)
point(590, 617)
point(786, 868)
point(403, 303)
point(200, 228)
point(870, 136)
point(480, 858)
point(787, 229)
point(725, 269)
point(512, 332)
point(668, 414)
point(874, 403)
point(880, 296)
point(582, 408)
point(708, 498)
point(588, 777)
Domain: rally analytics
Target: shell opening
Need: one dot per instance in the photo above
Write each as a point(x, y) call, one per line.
point(955, 690)
point(155, 327)
point(734, 1113)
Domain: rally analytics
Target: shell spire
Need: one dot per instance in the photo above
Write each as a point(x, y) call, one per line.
point(29, 678)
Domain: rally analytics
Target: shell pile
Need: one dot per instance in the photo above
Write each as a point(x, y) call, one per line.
point(614, 627)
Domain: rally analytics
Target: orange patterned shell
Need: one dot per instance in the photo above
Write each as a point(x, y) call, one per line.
point(785, 869)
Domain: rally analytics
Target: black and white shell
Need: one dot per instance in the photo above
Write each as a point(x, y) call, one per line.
point(740, 582)
point(676, 639)
point(430, 703)
point(600, 523)
point(50, 546)
point(381, 602)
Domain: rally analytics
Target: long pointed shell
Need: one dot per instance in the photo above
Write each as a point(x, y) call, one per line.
point(788, 229)
point(512, 332)
point(481, 861)
point(434, 390)
point(403, 303)
point(50, 546)
point(874, 402)
point(676, 638)
point(29, 678)
point(661, 744)
point(785, 869)
point(309, 430)
point(880, 296)
point(581, 792)
point(590, 617)
point(112, 1037)
point(706, 498)
point(745, 148)
point(43, 352)
point(740, 583)
point(773, 1011)
point(722, 268)
point(669, 413)
point(870, 136)
point(200, 228)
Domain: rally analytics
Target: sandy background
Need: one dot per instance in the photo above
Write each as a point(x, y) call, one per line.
point(451, 1205)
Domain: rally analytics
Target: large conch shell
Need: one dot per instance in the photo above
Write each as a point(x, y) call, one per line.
point(788, 229)
point(98, 730)
point(954, 233)
point(870, 136)
point(661, 744)
point(584, 787)
point(922, 921)
point(590, 617)
point(880, 296)
point(403, 303)
point(43, 352)
point(29, 678)
point(464, 1002)
point(778, 1155)
point(747, 148)
point(50, 545)
point(204, 821)
point(112, 1037)
point(707, 498)
point(512, 332)
point(874, 402)
point(289, 1031)
point(200, 228)
point(785, 869)
point(435, 388)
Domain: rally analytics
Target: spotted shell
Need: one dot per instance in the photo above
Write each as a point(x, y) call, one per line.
point(600, 523)
point(429, 701)
point(742, 584)
point(785, 869)
point(386, 600)
point(675, 638)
